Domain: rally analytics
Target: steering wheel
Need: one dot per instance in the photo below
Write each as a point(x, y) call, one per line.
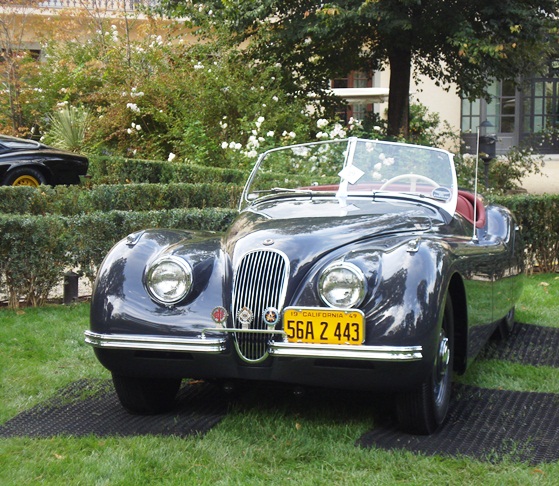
point(414, 178)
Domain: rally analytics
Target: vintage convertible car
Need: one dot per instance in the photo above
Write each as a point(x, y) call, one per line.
point(353, 264)
point(28, 163)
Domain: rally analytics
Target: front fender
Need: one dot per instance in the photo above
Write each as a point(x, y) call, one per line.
point(121, 304)
point(407, 281)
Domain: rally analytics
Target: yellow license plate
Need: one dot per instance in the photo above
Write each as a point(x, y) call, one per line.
point(324, 326)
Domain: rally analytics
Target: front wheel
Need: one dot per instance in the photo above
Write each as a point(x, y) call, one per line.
point(422, 411)
point(146, 396)
point(25, 176)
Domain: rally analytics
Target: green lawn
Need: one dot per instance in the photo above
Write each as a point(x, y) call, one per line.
point(42, 350)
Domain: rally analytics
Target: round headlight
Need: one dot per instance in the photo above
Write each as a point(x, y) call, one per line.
point(169, 279)
point(342, 285)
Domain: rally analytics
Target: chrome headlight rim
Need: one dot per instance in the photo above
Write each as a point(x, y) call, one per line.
point(183, 267)
point(353, 269)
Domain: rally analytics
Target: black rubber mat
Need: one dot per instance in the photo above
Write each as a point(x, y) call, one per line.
point(528, 344)
point(490, 425)
point(91, 407)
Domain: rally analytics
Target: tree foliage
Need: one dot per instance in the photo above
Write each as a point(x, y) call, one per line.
point(465, 42)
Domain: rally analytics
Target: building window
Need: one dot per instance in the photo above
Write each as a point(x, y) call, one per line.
point(518, 115)
point(541, 108)
point(471, 115)
point(355, 79)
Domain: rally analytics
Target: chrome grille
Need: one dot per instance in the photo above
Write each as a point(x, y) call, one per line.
point(260, 282)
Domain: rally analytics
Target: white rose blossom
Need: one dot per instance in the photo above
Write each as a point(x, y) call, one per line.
point(133, 107)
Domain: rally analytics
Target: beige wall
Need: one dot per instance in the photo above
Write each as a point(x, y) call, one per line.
point(436, 99)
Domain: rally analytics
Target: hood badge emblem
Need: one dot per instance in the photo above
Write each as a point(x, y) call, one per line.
point(268, 242)
point(271, 316)
point(245, 316)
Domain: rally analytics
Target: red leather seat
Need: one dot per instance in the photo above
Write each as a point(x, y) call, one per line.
point(465, 207)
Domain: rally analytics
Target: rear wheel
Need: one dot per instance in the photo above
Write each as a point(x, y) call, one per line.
point(146, 396)
point(422, 411)
point(25, 176)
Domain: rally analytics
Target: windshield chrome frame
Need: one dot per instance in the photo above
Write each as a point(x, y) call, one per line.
point(448, 206)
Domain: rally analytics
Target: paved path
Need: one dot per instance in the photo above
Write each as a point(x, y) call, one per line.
point(548, 181)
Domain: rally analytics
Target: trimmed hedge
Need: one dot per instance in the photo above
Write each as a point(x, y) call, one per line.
point(538, 217)
point(116, 170)
point(37, 250)
point(128, 197)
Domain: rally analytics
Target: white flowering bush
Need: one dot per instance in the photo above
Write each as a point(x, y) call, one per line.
point(164, 98)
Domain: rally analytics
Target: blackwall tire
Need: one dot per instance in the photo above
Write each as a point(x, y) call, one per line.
point(422, 411)
point(24, 176)
point(146, 396)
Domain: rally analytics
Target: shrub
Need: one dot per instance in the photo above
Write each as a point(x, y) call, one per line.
point(68, 128)
point(119, 170)
point(130, 197)
point(162, 96)
point(538, 217)
point(504, 173)
point(34, 252)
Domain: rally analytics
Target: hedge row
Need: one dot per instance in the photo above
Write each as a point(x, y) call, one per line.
point(115, 170)
point(72, 200)
point(104, 170)
point(37, 250)
point(538, 217)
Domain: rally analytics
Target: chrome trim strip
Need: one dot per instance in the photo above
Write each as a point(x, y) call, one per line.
point(204, 344)
point(342, 351)
point(201, 344)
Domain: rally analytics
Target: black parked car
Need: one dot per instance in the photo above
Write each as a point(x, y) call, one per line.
point(367, 269)
point(29, 163)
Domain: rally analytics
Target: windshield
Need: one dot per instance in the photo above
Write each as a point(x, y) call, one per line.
point(355, 167)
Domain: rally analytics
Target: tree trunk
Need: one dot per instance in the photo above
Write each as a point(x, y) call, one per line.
point(399, 96)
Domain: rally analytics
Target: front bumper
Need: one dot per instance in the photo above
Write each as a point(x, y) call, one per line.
point(218, 345)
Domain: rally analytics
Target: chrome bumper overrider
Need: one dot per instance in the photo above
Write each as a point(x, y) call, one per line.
point(212, 345)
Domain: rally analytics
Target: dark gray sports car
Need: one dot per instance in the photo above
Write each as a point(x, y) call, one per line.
point(28, 163)
point(353, 264)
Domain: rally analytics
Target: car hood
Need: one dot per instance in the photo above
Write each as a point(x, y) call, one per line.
point(43, 152)
point(305, 229)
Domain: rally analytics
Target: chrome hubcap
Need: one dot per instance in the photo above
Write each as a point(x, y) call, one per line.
point(441, 369)
point(443, 359)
